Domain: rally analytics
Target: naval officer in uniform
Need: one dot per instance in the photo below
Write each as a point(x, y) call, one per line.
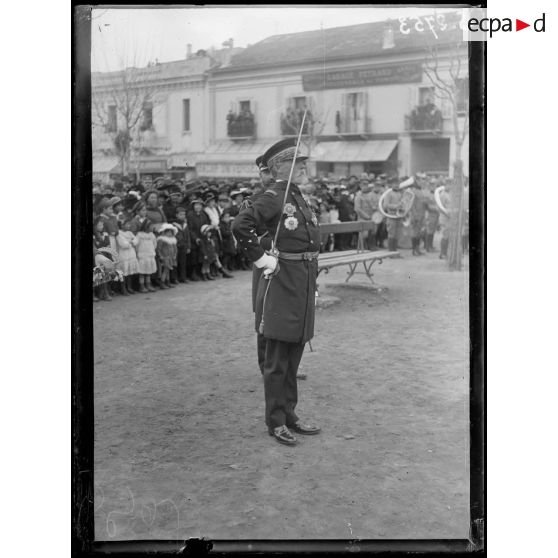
point(285, 297)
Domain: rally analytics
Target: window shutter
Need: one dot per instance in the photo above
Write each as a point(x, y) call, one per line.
point(343, 112)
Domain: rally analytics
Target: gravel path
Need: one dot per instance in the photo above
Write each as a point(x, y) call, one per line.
point(181, 449)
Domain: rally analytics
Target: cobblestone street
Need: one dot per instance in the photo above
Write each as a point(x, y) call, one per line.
point(181, 448)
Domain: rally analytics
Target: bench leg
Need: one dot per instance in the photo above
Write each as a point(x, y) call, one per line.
point(368, 269)
point(351, 271)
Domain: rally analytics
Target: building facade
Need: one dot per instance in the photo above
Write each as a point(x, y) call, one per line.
point(373, 94)
point(163, 107)
point(371, 103)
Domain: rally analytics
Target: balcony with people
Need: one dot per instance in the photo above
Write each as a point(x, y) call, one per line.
point(426, 117)
point(241, 125)
point(292, 119)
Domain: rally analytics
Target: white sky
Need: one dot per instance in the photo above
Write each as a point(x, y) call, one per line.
point(132, 37)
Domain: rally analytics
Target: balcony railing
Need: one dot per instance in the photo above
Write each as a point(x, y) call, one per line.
point(424, 118)
point(241, 125)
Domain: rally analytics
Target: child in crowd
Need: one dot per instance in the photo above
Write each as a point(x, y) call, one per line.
point(140, 215)
point(145, 250)
point(166, 251)
point(210, 256)
point(208, 250)
point(182, 246)
point(100, 276)
point(110, 220)
point(228, 246)
point(128, 262)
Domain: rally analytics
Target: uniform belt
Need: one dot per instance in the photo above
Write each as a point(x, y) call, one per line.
point(299, 256)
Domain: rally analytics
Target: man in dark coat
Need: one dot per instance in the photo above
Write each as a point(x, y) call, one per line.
point(285, 299)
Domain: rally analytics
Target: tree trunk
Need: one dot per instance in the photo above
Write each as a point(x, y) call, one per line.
point(455, 252)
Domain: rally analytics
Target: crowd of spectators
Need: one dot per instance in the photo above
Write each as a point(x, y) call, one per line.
point(177, 232)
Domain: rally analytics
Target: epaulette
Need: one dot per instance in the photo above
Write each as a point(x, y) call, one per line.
point(271, 192)
point(245, 204)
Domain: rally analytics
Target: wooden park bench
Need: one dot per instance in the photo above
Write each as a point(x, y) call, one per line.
point(352, 258)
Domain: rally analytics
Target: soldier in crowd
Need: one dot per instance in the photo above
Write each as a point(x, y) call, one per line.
point(417, 213)
point(392, 204)
point(366, 203)
point(381, 230)
point(285, 301)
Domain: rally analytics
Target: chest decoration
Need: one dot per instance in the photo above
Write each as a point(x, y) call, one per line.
point(289, 209)
point(291, 223)
point(314, 219)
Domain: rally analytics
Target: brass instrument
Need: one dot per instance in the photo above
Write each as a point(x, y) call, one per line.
point(404, 207)
point(438, 200)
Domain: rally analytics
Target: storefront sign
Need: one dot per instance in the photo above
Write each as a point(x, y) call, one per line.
point(362, 77)
point(224, 170)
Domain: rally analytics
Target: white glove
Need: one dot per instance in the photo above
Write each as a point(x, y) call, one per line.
point(269, 263)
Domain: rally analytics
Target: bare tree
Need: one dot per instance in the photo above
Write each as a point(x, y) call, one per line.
point(130, 95)
point(446, 80)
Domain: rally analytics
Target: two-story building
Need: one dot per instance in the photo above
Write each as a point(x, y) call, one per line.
point(165, 108)
point(372, 106)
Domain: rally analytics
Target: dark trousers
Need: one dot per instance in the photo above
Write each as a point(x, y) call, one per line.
point(280, 368)
point(261, 342)
point(181, 258)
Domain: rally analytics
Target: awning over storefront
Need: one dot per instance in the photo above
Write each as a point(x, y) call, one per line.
point(232, 159)
point(183, 159)
point(104, 165)
point(365, 151)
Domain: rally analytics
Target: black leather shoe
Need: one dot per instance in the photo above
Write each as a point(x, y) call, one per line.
point(283, 435)
point(306, 429)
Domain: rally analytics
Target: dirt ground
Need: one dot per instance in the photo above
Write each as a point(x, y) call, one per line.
point(181, 448)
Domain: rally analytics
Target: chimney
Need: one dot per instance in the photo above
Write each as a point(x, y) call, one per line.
point(188, 51)
point(388, 41)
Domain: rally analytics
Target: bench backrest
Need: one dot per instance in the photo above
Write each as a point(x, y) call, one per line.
point(347, 227)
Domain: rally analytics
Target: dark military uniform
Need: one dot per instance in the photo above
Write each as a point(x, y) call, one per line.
point(418, 215)
point(285, 304)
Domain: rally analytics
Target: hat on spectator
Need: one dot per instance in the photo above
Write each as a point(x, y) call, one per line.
point(204, 229)
point(113, 201)
point(209, 197)
point(130, 201)
point(280, 152)
point(235, 193)
point(180, 208)
point(103, 204)
point(167, 227)
point(197, 200)
point(174, 189)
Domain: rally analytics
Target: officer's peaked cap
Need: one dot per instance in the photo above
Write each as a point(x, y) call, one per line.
point(281, 151)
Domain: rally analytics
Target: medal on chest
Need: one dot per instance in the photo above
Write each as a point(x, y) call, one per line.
point(289, 209)
point(291, 223)
point(314, 219)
